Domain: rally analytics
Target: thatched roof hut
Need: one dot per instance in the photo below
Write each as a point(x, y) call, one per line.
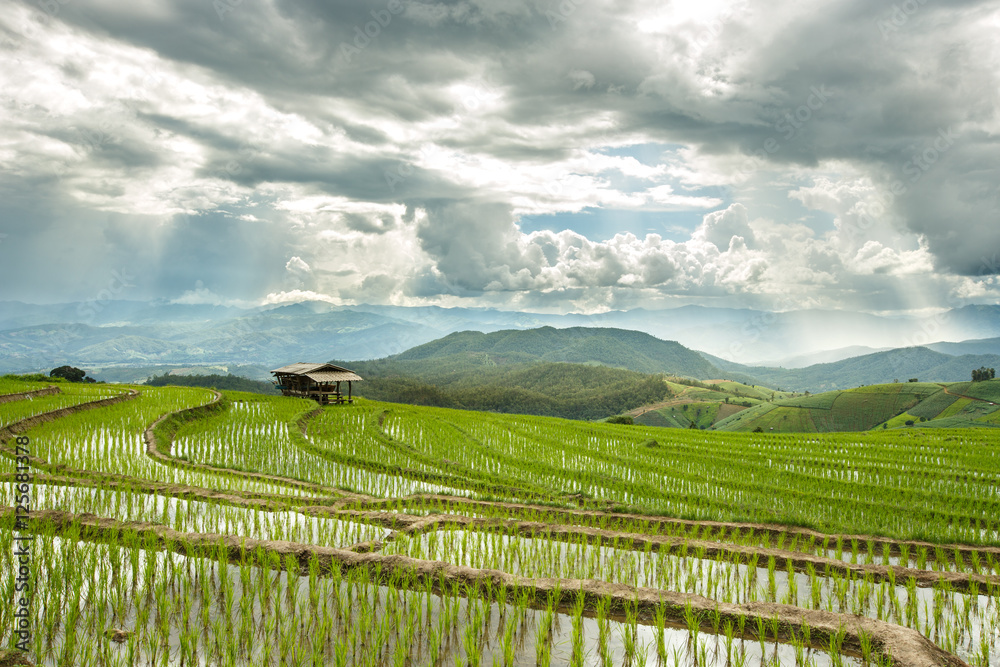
point(321, 382)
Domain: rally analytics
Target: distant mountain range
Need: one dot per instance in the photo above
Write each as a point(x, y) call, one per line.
point(469, 351)
point(123, 340)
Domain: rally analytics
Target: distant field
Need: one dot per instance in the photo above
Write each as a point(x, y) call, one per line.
point(988, 391)
point(749, 391)
point(865, 408)
point(934, 405)
point(819, 401)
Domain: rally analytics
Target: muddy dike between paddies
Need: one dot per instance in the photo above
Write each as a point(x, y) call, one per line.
point(857, 635)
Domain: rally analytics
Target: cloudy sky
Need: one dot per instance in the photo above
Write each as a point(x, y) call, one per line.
point(581, 155)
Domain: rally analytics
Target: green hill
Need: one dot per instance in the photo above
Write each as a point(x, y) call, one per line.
point(230, 382)
point(573, 391)
point(877, 368)
point(578, 373)
point(618, 348)
point(897, 405)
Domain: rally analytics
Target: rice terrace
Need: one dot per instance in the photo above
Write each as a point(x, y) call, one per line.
point(189, 526)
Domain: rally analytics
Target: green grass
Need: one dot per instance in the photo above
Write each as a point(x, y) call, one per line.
point(9, 385)
point(758, 392)
point(787, 420)
point(857, 409)
point(933, 405)
point(664, 418)
point(955, 408)
point(822, 401)
point(988, 390)
point(900, 420)
point(702, 415)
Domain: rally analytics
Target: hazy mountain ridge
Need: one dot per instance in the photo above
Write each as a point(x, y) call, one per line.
point(120, 332)
point(877, 368)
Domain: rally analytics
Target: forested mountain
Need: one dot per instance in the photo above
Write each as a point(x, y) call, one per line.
point(579, 372)
point(618, 348)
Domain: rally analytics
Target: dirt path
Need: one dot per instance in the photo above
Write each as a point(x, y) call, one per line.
point(268, 502)
point(409, 524)
point(576, 516)
point(904, 646)
point(971, 398)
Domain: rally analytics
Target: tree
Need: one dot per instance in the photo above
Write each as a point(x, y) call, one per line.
point(70, 373)
point(982, 374)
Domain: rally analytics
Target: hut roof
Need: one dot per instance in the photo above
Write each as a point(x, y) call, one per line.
point(319, 372)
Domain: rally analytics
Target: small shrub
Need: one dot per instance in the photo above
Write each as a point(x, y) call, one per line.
point(620, 419)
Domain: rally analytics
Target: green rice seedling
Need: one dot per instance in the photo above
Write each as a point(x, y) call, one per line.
point(799, 649)
point(865, 641)
point(508, 641)
point(630, 634)
point(730, 636)
point(761, 634)
point(660, 622)
point(772, 586)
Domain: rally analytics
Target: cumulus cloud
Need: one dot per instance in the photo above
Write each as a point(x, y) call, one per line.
point(296, 265)
point(724, 227)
